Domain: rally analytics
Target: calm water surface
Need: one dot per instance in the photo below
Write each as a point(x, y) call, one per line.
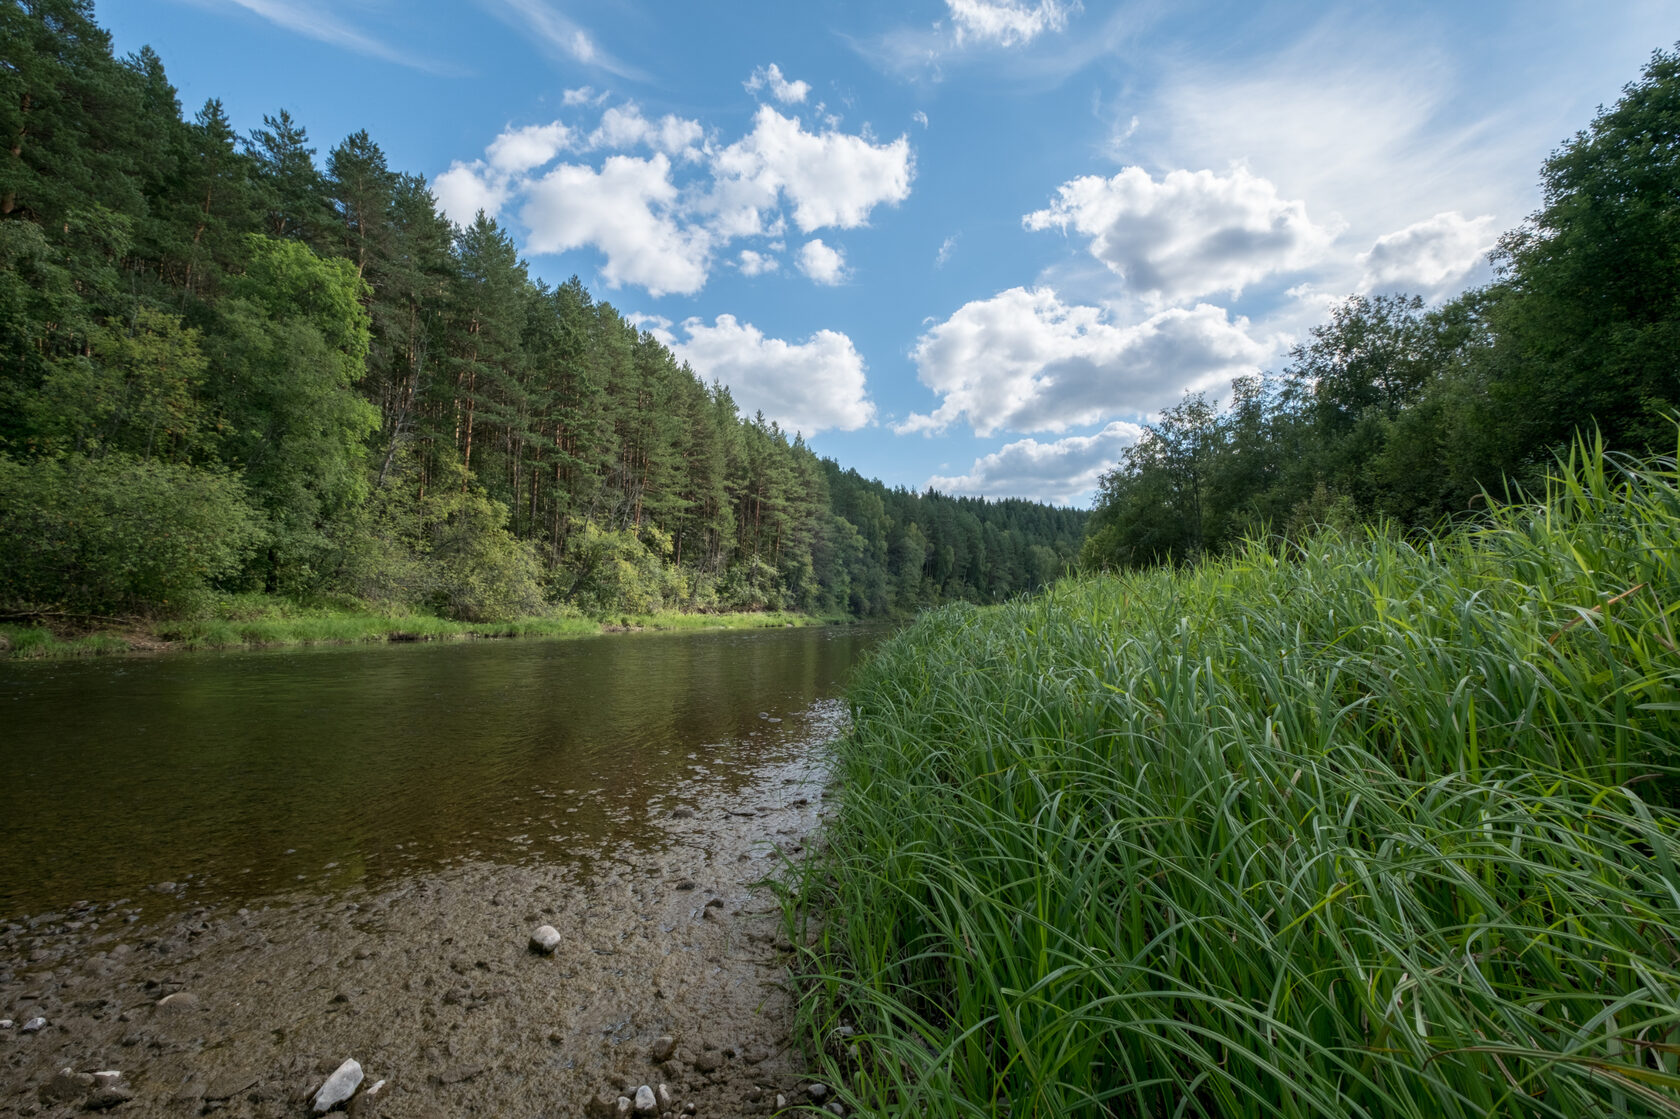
point(241, 775)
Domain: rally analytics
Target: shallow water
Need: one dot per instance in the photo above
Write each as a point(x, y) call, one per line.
point(243, 775)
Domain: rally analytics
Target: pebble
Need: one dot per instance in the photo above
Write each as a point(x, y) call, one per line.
point(623, 1108)
point(545, 940)
point(6, 1023)
point(103, 1099)
point(180, 1000)
point(781, 1102)
point(340, 1086)
point(817, 1092)
point(34, 1024)
point(662, 1049)
point(666, 1100)
point(645, 1104)
point(709, 1062)
point(834, 1106)
point(107, 1078)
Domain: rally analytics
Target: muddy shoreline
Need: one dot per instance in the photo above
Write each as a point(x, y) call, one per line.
point(429, 983)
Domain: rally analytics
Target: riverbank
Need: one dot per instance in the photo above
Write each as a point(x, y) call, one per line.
point(256, 622)
point(1361, 828)
point(670, 973)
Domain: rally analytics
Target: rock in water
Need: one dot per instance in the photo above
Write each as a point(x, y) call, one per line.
point(340, 1086)
point(645, 1104)
point(545, 940)
point(67, 1086)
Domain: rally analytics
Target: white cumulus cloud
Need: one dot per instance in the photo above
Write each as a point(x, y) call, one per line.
point(662, 221)
point(517, 150)
point(1429, 256)
point(831, 178)
point(466, 188)
point(1025, 361)
point(770, 78)
point(1007, 22)
point(808, 386)
point(822, 263)
point(626, 209)
point(1058, 472)
point(1191, 233)
point(756, 263)
point(624, 126)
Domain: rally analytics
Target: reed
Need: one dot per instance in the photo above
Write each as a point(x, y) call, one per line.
point(1356, 827)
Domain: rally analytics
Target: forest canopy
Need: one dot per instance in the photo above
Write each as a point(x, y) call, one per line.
point(228, 364)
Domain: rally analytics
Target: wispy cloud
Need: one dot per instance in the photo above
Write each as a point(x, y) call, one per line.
point(324, 26)
point(559, 34)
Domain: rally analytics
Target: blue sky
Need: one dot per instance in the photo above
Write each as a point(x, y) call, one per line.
point(972, 243)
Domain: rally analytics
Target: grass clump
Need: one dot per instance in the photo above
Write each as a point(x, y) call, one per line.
point(1361, 827)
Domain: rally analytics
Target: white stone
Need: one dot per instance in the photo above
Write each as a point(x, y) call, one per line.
point(545, 940)
point(340, 1086)
point(34, 1024)
point(107, 1078)
point(645, 1103)
point(666, 1100)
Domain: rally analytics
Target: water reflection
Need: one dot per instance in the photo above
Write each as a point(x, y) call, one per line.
point(248, 773)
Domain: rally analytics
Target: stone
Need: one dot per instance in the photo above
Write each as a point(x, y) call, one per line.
point(68, 1086)
point(367, 1102)
point(645, 1103)
point(835, 1106)
point(817, 1092)
point(603, 1106)
point(103, 1099)
point(662, 1049)
point(545, 940)
point(667, 1100)
point(781, 1102)
point(107, 1078)
point(35, 1025)
point(622, 1109)
point(6, 1023)
point(339, 1087)
point(709, 1062)
point(179, 1001)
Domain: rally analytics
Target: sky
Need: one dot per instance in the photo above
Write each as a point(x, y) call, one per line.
point(972, 244)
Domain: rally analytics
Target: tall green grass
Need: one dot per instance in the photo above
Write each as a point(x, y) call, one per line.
point(1359, 827)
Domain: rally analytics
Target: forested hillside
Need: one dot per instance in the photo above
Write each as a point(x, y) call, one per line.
point(227, 365)
point(1395, 411)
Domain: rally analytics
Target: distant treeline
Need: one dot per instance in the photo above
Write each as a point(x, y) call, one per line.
point(1395, 412)
point(224, 367)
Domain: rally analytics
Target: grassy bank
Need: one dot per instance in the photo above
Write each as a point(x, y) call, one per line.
point(255, 622)
point(1362, 829)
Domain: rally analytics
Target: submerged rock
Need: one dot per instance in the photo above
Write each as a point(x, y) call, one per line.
point(545, 940)
point(68, 1086)
point(340, 1086)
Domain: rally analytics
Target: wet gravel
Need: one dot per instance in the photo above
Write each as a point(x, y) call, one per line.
point(671, 972)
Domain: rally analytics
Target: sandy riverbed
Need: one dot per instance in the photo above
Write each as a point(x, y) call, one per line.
point(428, 982)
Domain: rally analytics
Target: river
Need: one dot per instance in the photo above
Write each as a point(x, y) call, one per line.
point(220, 823)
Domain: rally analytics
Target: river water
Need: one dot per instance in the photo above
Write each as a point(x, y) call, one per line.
point(225, 777)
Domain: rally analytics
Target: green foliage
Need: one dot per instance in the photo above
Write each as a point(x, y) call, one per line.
point(119, 533)
point(1352, 827)
point(416, 420)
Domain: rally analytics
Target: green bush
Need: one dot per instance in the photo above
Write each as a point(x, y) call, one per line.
point(119, 533)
